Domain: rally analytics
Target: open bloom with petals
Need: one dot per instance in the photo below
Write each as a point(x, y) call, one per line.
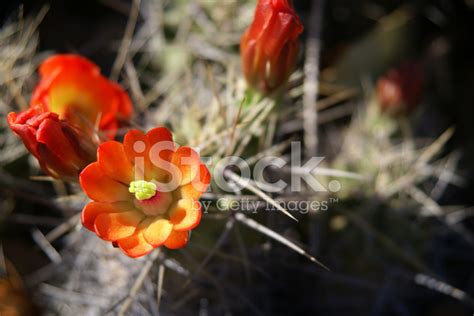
point(269, 47)
point(61, 149)
point(145, 192)
point(400, 90)
point(73, 87)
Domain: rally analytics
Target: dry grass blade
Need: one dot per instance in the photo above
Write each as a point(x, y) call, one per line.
point(336, 113)
point(222, 110)
point(159, 88)
point(45, 246)
point(429, 204)
point(338, 173)
point(15, 90)
point(63, 228)
point(234, 127)
point(410, 179)
point(138, 283)
point(459, 215)
point(273, 150)
point(435, 210)
point(448, 175)
point(244, 185)
point(442, 287)
point(175, 266)
point(270, 233)
point(324, 117)
point(435, 147)
point(335, 98)
point(73, 297)
point(321, 171)
point(219, 136)
point(18, 43)
point(311, 72)
point(159, 286)
point(126, 41)
point(43, 178)
point(134, 84)
point(255, 127)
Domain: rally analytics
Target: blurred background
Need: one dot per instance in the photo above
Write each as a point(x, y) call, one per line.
point(387, 260)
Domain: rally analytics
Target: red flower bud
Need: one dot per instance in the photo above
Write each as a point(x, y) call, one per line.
point(269, 47)
point(400, 90)
point(61, 149)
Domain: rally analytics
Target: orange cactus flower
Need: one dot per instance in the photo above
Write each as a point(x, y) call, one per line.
point(61, 149)
point(73, 87)
point(269, 47)
point(145, 192)
point(400, 90)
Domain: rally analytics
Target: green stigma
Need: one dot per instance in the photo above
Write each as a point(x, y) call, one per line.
point(143, 189)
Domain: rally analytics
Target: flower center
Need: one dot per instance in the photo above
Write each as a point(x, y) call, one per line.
point(142, 189)
point(149, 199)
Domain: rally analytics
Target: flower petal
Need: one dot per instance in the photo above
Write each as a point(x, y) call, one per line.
point(94, 209)
point(136, 146)
point(51, 134)
point(185, 215)
point(177, 239)
point(25, 125)
point(135, 245)
point(159, 134)
point(73, 87)
point(52, 65)
point(160, 152)
point(197, 187)
point(114, 162)
point(158, 231)
point(114, 226)
point(187, 160)
point(99, 187)
point(55, 166)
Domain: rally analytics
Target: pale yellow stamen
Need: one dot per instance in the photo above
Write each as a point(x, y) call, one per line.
point(142, 189)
